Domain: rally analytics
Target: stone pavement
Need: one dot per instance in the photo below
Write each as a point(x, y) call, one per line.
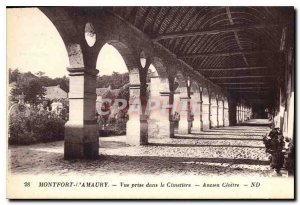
point(236, 150)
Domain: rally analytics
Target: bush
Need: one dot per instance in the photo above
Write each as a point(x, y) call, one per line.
point(37, 127)
point(113, 127)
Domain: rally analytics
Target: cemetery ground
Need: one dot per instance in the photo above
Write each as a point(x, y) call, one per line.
point(228, 151)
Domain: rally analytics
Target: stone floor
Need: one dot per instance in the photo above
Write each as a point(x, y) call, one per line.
point(236, 150)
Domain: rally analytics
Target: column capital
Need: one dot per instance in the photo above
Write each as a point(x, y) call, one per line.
point(165, 93)
point(184, 98)
point(82, 71)
point(134, 86)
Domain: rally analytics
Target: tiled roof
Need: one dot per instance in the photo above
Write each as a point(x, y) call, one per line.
point(55, 92)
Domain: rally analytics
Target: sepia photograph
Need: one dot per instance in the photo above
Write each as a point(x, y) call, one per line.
point(150, 102)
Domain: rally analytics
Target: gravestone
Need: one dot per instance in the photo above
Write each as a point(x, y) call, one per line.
point(19, 109)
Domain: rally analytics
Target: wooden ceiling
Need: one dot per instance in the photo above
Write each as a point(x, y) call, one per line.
point(239, 48)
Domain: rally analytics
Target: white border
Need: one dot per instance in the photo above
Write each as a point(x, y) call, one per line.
point(3, 74)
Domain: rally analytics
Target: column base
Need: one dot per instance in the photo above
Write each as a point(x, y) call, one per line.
point(184, 128)
point(213, 124)
point(81, 141)
point(153, 128)
point(172, 129)
point(197, 126)
point(159, 129)
point(137, 132)
point(205, 126)
point(226, 123)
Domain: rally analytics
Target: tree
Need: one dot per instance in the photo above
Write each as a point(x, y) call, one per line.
point(124, 92)
point(116, 80)
point(13, 75)
point(40, 73)
point(32, 89)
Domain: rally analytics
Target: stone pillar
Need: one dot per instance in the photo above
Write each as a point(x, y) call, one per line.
point(159, 119)
point(248, 113)
point(184, 122)
point(213, 113)
point(242, 114)
point(81, 131)
point(206, 116)
point(237, 114)
point(196, 111)
point(137, 126)
point(220, 113)
point(226, 113)
point(165, 126)
point(154, 115)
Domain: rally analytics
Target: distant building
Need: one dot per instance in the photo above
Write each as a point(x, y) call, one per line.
point(55, 92)
point(27, 76)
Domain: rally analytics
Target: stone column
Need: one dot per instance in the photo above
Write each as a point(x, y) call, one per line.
point(159, 119)
point(137, 124)
point(184, 124)
point(213, 114)
point(171, 105)
point(237, 114)
point(81, 131)
point(206, 116)
point(226, 113)
point(242, 114)
point(154, 112)
point(196, 111)
point(248, 113)
point(165, 128)
point(220, 113)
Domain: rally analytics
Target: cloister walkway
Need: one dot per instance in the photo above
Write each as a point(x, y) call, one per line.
point(235, 150)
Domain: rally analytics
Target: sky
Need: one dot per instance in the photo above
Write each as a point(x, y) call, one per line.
point(34, 44)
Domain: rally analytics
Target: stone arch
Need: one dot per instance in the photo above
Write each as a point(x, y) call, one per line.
point(136, 128)
point(81, 133)
point(129, 59)
point(160, 67)
point(161, 73)
point(182, 87)
point(73, 36)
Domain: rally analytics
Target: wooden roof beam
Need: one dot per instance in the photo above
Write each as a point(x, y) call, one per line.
point(247, 88)
point(210, 31)
point(226, 54)
point(245, 83)
point(251, 91)
point(233, 69)
point(236, 77)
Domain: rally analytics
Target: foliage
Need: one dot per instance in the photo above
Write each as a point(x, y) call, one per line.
point(32, 89)
point(116, 80)
point(38, 127)
point(63, 82)
point(13, 75)
point(124, 92)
